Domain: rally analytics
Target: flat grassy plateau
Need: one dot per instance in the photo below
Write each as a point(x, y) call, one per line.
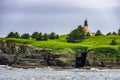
point(61, 45)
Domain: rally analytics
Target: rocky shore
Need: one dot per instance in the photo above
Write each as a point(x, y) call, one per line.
point(27, 56)
point(17, 55)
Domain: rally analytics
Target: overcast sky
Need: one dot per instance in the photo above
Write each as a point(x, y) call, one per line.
point(60, 16)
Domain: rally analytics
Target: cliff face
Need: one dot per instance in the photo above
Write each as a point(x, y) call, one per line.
point(25, 55)
point(93, 59)
point(102, 60)
point(15, 54)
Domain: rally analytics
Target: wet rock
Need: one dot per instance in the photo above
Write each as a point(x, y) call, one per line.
point(6, 59)
point(27, 55)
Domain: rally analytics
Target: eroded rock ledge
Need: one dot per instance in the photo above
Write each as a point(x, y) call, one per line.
point(15, 54)
point(23, 55)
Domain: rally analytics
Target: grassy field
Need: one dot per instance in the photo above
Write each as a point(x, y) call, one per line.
point(60, 45)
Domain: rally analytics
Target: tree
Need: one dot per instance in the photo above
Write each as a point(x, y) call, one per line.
point(10, 35)
point(39, 37)
point(16, 35)
point(119, 31)
point(57, 36)
point(52, 35)
point(109, 33)
point(87, 34)
point(34, 35)
point(98, 33)
point(114, 33)
point(25, 36)
point(113, 42)
point(45, 37)
point(76, 35)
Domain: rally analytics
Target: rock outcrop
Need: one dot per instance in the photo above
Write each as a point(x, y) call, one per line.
point(99, 60)
point(15, 54)
point(27, 55)
point(6, 59)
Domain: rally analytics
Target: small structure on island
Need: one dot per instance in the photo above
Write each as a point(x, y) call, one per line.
point(86, 30)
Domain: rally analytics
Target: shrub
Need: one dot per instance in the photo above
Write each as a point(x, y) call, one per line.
point(88, 34)
point(20, 52)
point(113, 42)
point(16, 35)
point(76, 35)
point(114, 33)
point(39, 37)
point(109, 33)
point(25, 36)
point(10, 35)
point(34, 35)
point(45, 37)
point(119, 31)
point(52, 35)
point(98, 33)
point(13, 35)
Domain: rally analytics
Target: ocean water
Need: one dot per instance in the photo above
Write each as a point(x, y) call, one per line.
point(9, 73)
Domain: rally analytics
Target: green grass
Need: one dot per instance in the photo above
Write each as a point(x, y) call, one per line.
point(61, 45)
point(100, 40)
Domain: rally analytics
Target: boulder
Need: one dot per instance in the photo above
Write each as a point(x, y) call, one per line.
point(6, 59)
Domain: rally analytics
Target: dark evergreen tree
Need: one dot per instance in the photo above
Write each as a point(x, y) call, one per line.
point(98, 33)
point(39, 37)
point(119, 31)
point(114, 33)
point(45, 37)
point(10, 35)
point(87, 34)
point(76, 35)
point(57, 36)
point(109, 33)
point(52, 35)
point(113, 42)
point(16, 35)
point(25, 36)
point(34, 35)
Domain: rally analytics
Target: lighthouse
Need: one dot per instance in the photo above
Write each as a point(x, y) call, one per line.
point(86, 30)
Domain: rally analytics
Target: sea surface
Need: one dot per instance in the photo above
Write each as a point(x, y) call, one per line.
point(9, 73)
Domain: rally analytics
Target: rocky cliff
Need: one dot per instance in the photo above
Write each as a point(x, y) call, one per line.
point(15, 54)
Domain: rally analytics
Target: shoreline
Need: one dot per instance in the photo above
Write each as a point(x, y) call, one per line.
point(67, 67)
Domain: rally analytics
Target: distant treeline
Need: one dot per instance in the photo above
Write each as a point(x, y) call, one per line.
point(36, 35)
point(76, 35)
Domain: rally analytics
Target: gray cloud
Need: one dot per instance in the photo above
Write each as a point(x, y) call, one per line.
point(54, 16)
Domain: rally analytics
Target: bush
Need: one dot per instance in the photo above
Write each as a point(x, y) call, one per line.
point(39, 37)
point(57, 36)
point(25, 36)
point(16, 35)
point(52, 35)
point(88, 34)
point(113, 42)
point(34, 35)
point(98, 33)
point(109, 33)
point(76, 35)
point(114, 33)
point(13, 35)
point(118, 31)
point(20, 52)
point(45, 37)
point(10, 35)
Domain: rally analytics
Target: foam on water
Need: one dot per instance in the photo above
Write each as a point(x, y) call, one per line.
point(8, 73)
